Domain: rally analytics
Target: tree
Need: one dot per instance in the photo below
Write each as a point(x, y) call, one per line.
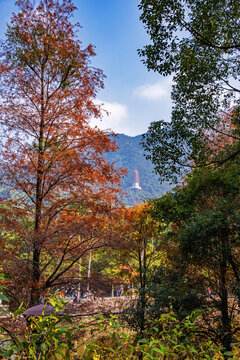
point(139, 246)
point(198, 44)
point(58, 186)
point(204, 221)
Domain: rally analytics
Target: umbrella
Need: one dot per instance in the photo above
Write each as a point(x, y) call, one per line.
point(38, 310)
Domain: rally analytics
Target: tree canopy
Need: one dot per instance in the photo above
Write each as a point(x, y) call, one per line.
point(55, 176)
point(198, 44)
point(202, 219)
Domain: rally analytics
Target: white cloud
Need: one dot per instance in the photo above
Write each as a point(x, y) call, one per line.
point(113, 117)
point(156, 91)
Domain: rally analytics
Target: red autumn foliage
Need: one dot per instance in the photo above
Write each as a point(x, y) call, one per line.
point(222, 141)
point(58, 187)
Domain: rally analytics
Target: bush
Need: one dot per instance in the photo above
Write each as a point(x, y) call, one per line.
point(169, 339)
point(45, 337)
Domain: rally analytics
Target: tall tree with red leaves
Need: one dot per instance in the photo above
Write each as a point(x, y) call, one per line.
point(58, 185)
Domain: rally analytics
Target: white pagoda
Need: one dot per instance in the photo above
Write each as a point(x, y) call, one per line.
point(135, 183)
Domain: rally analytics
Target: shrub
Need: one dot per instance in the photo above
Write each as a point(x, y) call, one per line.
point(45, 337)
point(169, 339)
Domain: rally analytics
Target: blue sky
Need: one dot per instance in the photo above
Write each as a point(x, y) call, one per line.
point(133, 96)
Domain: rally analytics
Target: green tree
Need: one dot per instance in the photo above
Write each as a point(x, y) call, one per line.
point(198, 43)
point(203, 218)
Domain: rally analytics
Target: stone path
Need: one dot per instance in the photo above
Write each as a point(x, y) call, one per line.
point(107, 305)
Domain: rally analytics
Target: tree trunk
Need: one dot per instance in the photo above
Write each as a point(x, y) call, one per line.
point(89, 269)
point(79, 278)
point(226, 323)
point(36, 272)
point(142, 302)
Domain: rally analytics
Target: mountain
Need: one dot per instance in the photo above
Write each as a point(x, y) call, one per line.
point(131, 156)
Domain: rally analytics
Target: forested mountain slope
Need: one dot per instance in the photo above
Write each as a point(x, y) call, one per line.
point(131, 156)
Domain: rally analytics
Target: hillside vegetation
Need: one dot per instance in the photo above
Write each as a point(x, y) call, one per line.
point(131, 155)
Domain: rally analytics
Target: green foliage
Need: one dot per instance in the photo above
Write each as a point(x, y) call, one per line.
point(202, 220)
point(197, 42)
point(173, 288)
point(205, 209)
point(3, 297)
point(167, 287)
point(168, 338)
point(46, 337)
